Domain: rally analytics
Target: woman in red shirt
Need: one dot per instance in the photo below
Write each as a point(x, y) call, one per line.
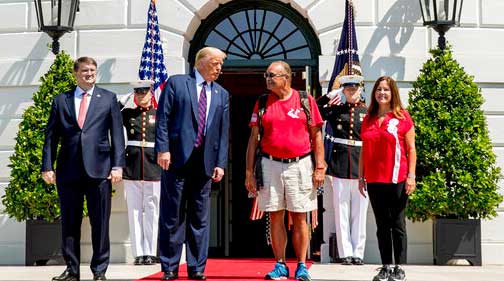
point(387, 171)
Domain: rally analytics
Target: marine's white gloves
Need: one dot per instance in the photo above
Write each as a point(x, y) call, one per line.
point(337, 92)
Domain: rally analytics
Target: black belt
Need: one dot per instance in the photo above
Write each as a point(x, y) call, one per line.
point(284, 160)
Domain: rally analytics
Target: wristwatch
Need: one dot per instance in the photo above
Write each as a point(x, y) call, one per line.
point(411, 175)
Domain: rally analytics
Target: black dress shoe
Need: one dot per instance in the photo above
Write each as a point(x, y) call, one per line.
point(139, 260)
point(170, 275)
point(99, 277)
point(197, 276)
point(357, 261)
point(346, 261)
point(149, 260)
point(67, 276)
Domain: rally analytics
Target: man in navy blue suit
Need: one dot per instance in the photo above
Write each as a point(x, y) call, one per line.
point(192, 130)
point(87, 122)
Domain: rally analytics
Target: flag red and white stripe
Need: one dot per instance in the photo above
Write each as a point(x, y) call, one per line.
point(255, 213)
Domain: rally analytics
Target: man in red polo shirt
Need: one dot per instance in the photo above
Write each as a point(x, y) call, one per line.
point(290, 178)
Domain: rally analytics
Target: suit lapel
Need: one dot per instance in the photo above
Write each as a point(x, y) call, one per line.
point(191, 87)
point(70, 102)
point(213, 104)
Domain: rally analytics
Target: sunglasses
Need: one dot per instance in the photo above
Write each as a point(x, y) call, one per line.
point(272, 75)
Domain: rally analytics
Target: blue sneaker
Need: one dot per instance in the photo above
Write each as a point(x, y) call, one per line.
point(302, 272)
point(281, 271)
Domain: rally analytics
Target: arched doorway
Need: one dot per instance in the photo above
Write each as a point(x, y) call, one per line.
point(253, 34)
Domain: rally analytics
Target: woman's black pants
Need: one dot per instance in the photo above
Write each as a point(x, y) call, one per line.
point(389, 204)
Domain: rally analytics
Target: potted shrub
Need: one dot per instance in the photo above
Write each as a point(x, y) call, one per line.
point(456, 168)
point(27, 197)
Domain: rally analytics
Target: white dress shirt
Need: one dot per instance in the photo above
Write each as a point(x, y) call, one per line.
point(78, 97)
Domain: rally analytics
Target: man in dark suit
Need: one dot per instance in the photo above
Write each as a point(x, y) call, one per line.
point(192, 148)
point(87, 122)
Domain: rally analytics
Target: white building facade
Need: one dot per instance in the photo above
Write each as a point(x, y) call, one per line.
point(391, 40)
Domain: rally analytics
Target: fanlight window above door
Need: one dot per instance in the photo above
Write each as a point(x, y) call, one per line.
point(259, 34)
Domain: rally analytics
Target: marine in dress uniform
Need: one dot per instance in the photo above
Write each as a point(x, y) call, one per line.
point(344, 111)
point(142, 174)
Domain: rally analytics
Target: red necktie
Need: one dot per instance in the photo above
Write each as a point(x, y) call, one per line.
point(83, 109)
point(202, 105)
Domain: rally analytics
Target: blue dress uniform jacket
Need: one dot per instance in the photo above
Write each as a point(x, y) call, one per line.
point(140, 124)
point(343, 123)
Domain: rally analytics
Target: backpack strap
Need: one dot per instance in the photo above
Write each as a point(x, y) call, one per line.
point(260, 113)
point(261, 109)
point(305, 104)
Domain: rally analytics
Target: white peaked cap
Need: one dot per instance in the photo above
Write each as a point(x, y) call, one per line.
point(350, 80)
point(142, 84)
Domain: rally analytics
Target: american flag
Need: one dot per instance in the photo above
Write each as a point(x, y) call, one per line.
point(347, 60)
point(152, 62)
point(347, 55)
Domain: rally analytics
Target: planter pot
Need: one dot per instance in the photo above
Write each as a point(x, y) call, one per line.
point(457, 239)
point(43, 242)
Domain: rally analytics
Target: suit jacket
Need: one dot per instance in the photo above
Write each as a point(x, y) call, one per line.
point(95, 148)
point(177, 125)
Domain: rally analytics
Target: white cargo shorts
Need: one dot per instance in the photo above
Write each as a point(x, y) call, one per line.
point(287, 186)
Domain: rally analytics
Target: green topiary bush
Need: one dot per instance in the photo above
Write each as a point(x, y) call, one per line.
point(456, 171)
point(27, 196)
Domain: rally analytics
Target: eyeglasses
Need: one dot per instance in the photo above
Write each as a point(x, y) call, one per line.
point(273, 75)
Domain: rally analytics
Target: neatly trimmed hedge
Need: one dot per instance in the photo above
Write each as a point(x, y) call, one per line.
point(27, 195)
point(456, 169)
